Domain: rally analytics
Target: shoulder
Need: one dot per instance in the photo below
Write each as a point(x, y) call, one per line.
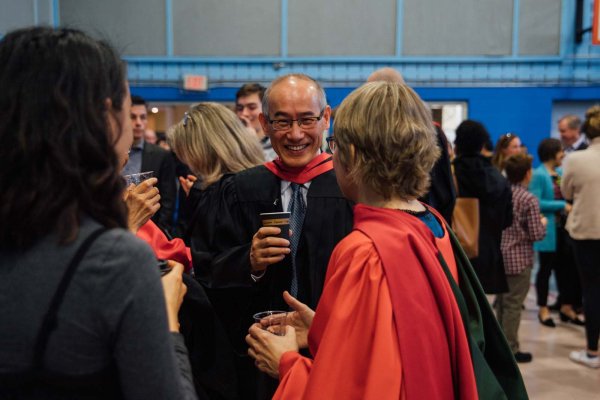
point(325, 185)
point(255, 184)
point(577, 158)
point(117, 252)
point(123, 248)
point(154, 150)
point(539, 175)
point(356, 245)
point(255, 174)
point(538, 170)
point(355, 256)
point(527, 197)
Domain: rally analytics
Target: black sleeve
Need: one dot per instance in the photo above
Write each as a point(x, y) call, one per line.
point(221, 235)
point(508, 206)
point(185, 370)
point(442, 194)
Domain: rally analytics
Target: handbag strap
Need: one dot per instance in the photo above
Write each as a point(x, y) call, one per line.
point(454, 179)
point(50, 320)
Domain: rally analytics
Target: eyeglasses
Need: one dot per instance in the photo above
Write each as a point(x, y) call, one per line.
point(303, 122)
point(331, 144)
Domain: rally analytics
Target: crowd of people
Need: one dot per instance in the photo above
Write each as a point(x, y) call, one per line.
point(149, 290)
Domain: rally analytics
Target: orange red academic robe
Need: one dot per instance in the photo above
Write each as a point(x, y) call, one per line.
point(355, 337)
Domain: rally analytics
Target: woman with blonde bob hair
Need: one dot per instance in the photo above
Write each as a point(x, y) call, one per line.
point(396, 274)
point(212, 141)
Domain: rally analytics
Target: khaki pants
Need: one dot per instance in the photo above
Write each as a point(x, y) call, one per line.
point(508, 306)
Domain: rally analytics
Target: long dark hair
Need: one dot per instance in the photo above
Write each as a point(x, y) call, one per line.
point(57, 161)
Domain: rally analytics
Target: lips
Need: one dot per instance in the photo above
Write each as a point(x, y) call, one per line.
point(299, 147)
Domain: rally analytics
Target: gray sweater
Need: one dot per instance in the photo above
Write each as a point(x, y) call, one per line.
point(113, 312)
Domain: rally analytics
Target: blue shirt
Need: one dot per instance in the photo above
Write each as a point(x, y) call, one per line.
point(134, 165)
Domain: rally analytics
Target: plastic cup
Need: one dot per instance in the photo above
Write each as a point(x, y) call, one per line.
point(272, 321)
point(136, 179)
point(278, 219)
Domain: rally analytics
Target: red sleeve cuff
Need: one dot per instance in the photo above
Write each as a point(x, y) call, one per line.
point(287, 361)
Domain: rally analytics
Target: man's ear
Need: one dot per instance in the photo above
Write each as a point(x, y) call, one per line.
point(108, 105)
point(264, 124)
point(327, 116)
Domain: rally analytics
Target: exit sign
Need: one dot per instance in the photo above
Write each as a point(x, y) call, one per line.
point(195, 82)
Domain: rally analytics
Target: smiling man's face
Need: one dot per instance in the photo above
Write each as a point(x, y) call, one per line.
point(291, 99)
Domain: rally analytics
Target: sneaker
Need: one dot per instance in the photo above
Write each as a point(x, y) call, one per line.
point(582, 357)
point(523, 357)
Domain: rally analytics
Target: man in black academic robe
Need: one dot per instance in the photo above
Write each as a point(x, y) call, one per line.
point(243, 267)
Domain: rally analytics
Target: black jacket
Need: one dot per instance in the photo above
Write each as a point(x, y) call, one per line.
point(157, 159)
point(477, 177)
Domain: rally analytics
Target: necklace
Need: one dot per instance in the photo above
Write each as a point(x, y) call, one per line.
point(412, 212)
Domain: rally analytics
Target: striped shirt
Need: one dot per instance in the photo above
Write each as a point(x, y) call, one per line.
point(517, 239)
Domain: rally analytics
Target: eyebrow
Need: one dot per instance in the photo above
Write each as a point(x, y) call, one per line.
point(301, 115)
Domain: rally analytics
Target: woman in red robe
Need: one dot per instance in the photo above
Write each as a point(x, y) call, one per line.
point(401, 317)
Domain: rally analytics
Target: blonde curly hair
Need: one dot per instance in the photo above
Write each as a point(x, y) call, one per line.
point(395, 145)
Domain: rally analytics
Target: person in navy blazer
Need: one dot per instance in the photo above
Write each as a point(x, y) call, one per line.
point(144, 156)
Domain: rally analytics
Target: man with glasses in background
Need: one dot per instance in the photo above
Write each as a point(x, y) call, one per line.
point(246, 267)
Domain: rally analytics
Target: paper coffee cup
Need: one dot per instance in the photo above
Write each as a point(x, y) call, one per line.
point(278, 219)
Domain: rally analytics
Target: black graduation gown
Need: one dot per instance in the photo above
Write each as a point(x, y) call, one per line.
point(226, 220)
point(442, 193)
point(477, 177)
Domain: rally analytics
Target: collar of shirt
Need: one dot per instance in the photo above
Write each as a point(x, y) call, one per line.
point(287, 191)
point(575, 145)
point(139, 146)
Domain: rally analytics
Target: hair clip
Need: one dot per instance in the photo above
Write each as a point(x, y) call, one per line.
point(186, 116)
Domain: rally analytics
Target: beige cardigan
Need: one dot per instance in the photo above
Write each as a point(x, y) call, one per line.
point(581, 183)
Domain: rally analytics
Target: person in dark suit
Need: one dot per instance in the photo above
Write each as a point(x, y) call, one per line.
point(145, 156)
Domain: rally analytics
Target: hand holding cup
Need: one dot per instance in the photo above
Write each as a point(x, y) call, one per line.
point(142, 203)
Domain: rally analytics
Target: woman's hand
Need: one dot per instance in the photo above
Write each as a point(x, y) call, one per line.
point(301, 319)
point(142, 203)
point(266, 348)
point(187, 183)
point(174, 289)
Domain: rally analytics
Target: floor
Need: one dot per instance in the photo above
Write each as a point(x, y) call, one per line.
point(551, 375)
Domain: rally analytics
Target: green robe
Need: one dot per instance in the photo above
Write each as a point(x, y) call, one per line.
point(496, 371)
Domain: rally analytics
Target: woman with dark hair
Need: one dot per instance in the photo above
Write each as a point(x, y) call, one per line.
point(83, 310)
point(554, 251)
point(581, 183)
point(477, 177)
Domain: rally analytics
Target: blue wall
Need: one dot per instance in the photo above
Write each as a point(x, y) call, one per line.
point(526, 111)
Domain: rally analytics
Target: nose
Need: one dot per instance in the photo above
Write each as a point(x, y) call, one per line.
point(295, 133)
